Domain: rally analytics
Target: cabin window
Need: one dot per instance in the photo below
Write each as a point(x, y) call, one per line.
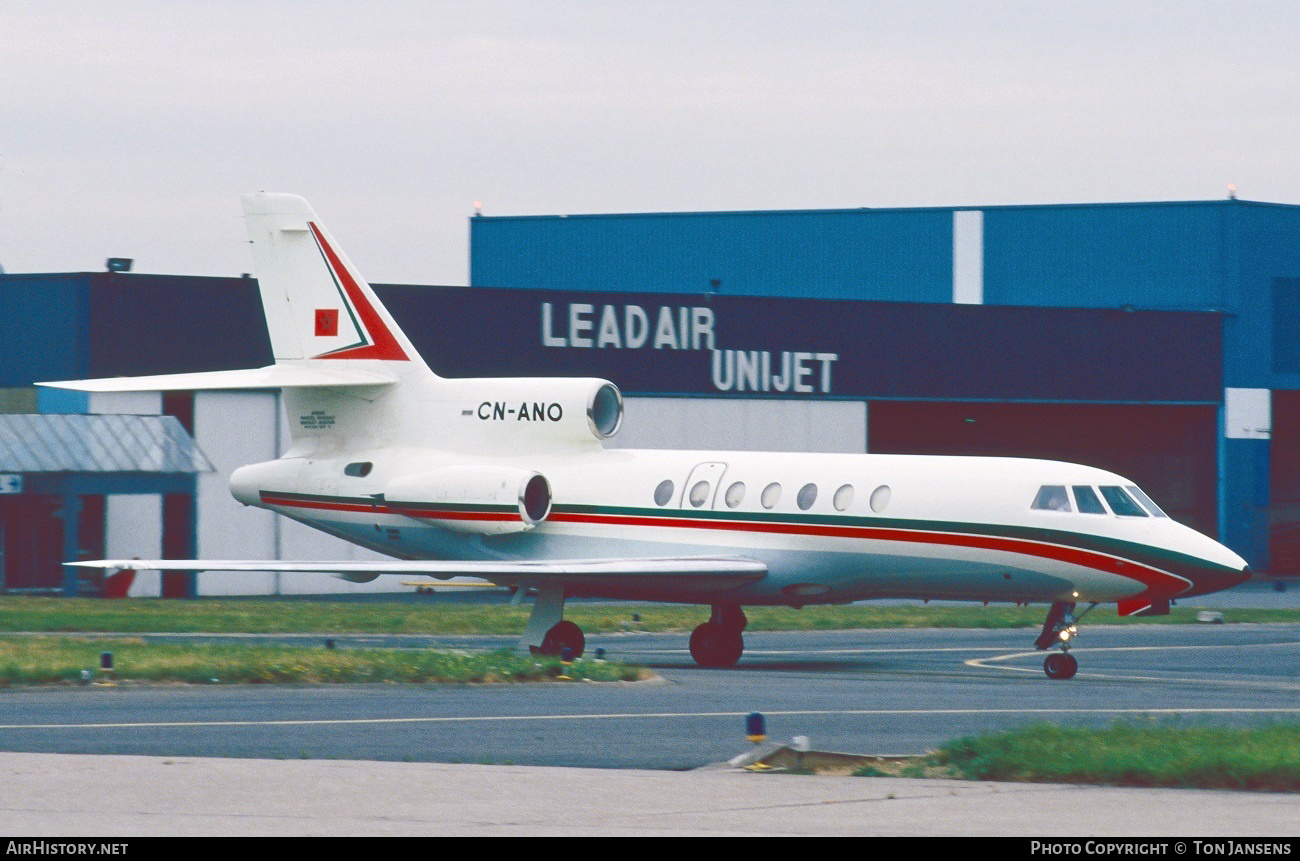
point(664, 492)
point(771, 495)
point(880, 498)
point(1146, 501)
point(807, 496)
point(843, 497)
point(358, 470)
point(1121, 503)
point(1052, 497)
point(1087, 500)
point(699, 493)
point(735, 494)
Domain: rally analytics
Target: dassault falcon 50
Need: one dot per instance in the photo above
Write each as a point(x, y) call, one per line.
point(508, 480)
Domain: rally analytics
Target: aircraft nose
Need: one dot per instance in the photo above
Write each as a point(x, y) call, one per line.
point(1216, 579)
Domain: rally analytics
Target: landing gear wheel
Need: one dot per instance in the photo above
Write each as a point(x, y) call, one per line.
point(716, 647)
point(563, 635)
point(1060, 665)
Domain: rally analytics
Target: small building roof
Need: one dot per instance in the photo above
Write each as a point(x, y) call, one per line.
point(98, 443)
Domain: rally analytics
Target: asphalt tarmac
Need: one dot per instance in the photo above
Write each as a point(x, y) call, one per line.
point(500, 759)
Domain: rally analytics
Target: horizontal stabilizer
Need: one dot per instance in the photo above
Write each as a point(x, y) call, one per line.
point(685, 572)
point(281, 376)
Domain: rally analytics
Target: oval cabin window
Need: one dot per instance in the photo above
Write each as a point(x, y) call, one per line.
point(771, 495)
point(664, 492)
point(735, 494)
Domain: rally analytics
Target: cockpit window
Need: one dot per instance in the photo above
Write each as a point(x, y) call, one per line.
point(1052, 497)
point(1087, 500)
point(1146, 501)
point(1121, 503)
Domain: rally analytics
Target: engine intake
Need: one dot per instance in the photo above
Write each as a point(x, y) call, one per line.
point(486, 500)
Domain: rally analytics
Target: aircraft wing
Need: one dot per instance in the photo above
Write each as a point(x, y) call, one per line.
point(680, 573)
point(270, 377)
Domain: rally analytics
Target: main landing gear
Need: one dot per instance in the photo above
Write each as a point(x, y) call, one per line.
point(1060, 629)
point(548, 632)
point(718, 642)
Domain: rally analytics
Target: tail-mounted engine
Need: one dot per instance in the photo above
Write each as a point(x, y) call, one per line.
point(486, 500)
point(531, 413)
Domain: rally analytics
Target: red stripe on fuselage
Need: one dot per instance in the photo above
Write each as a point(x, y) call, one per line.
point(1160, 584)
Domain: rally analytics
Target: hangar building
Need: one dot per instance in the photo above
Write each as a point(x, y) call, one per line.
point(1159, 340)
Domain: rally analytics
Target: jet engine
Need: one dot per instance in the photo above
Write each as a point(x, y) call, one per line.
point(481, 499)
point(531, 413)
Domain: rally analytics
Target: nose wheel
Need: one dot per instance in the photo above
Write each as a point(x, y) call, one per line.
point(1060, 629)
point(1060, 665)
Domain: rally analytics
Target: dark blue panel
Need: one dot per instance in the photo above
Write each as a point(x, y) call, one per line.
point(685, 343)
point(865, 254)
point(155, 324)
point(42, 326)
point(1159, 255)
point(1246, 491)
point(1286, 325)
point(740, 345)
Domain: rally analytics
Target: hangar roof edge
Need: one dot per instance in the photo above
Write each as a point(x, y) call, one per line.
point(892, 209)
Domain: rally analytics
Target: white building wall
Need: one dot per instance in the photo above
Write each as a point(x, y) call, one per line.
point(132, 522)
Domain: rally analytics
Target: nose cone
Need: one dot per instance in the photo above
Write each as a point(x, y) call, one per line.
point(1217, 568)
point(1216, 580)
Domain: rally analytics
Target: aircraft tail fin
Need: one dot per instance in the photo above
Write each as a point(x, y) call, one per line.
point(327, 327)
point(318, 308)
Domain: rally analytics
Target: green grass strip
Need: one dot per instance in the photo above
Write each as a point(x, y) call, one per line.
point(1149, 754)
point(62, 660)
point(255, 616)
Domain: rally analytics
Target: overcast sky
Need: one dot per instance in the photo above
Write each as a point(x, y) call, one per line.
point(131, 128)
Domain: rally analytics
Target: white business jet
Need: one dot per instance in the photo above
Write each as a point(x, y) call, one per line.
point(507, 479)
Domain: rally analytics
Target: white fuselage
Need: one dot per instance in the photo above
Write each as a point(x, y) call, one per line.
point(830, 528)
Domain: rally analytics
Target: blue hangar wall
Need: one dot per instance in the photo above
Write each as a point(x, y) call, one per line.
point(942, 378)
point(1234, 259)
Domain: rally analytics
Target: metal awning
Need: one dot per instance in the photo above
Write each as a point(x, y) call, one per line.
point(98, 443)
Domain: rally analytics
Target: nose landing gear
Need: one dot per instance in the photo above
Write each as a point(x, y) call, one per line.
point(1060, 629)
point(1060, 665)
